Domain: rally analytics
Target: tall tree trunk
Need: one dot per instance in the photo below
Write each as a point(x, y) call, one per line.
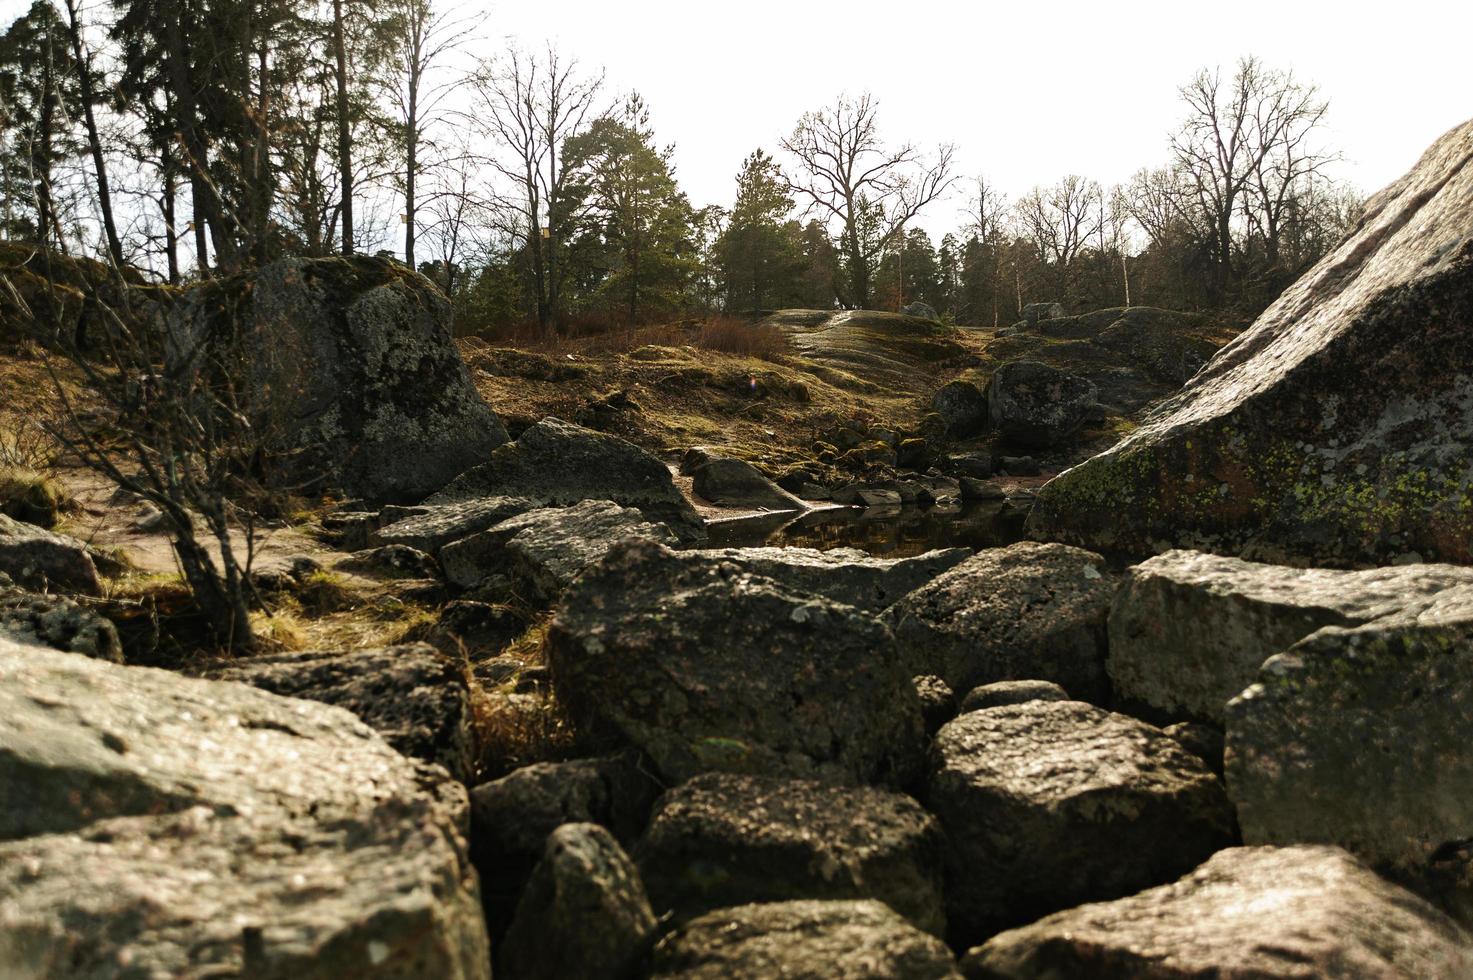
point(201, 236)
point(265, 190)
point(345, 137)
point(209, 208)
point(411, 161)
point(169, 205)
point(89, 115)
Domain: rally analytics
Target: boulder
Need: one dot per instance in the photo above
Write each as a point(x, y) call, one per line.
point(349, 366)
point(470, 630)
point(976, 465)
point(542, 551)
point(57, 622)
point(1190, 630)
point(661, 651)
point(1262, 912)
point(962, 408)
point(429, 529)
point(975, 489)
point(1358, 736)
point(584, 912)
point(555, 464)
point(159, 825)
point(912, 453)
point(413, 695)
point(393, 560)
point(735, 483)
point(721, 840)
point(1036, 313)
point(38, 559)
point(1049, 804)
point(1303, 441)
point(1033, 405)
point(857, 495)
point(845, 575)
point(1011, 692)
point(938, 701)
point(803, 940)
point(1026, 612)
point(1204, 741)
point(923, 311)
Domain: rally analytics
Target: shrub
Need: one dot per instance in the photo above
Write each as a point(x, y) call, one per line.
point(731, 335)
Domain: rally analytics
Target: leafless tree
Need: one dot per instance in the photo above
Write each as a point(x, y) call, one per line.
point(1060, 220)
point(986, 216)
point(848, 176)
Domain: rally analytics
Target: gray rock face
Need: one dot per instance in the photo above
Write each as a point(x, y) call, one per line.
point(735, 483)
point(413, 695)
point(1052, 803)
point(721, 840)
point(1026, 612)
point(349, 361)
point(53, 621)
point(431, 528)
point(845, 575)
point(661, 651)
point(938, 701)
point(1358, 736)
point(1036, 406)
point(157, 825)
point(918, 309)
point(1262, 912)
point(544, 550)
point(1299, 440)
point(810, 940)
point(555, 463)
point(39, 559)
point(1190, 630)
point(962, 407)
point(1011, 692)
point(1036, 313)
point(584, 913)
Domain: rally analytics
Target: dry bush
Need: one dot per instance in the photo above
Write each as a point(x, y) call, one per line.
point(731, 335)
point(28, 489)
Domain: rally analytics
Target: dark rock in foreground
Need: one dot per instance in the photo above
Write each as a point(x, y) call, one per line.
point(57, 622)
point(39, 559)
point(1335, 430)
point(1261, 912)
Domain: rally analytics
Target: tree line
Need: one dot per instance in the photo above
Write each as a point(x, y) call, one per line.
point(193, 138)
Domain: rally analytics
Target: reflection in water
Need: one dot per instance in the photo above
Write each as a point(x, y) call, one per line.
point(895, 533)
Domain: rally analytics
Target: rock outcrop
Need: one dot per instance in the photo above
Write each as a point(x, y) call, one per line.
point(736, 483)
point(38, 559)
point(1306, 439)
point(845, 575)
point(962, 408)
point(57, 622)
point(1035, 406)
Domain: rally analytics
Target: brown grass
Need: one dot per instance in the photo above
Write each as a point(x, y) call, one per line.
point(730, 335)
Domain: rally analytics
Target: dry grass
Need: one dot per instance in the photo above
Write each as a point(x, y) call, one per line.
point(730, 335)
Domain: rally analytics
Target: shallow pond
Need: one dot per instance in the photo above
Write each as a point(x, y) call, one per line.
point(894, 533)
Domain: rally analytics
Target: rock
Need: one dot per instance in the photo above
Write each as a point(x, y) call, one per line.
point(656, 650)
point(38, 559)
point(56, 622)
point(855, 495)
point(962, 408)
point(1011, 692)
point(1358, 736)
point(1019, 465)
point(1026, 612)
point(888, 437)
point(557, 464)
point(471, 630)
point(1036, 313)
point(696, 457)
point(544, 550)
point(804, 940)
point(357, 353)
point(399, 560)
point(1031, 404)
point(158, 825)
point(1262, 912)
point(911, 454)
point(869, 454)
point(584, 913)
point(434, 527)
point(974, 489)
point(413, 695)
point(1203, 741)
point(938, 701)
point(976, 465)
point(1296, 442)
point(845, 575)
point(721, 840)
point(1190, 630)
point(1049, 804)
point(918, 309)
point(734, 483)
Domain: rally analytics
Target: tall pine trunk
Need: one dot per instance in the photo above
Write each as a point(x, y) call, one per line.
point(89, 116)
point(345, 137)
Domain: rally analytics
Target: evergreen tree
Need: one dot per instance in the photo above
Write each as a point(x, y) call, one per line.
point(760, 253)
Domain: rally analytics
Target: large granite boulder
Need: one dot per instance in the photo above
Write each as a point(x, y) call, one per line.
point(1033, 405)
point(924, 311)
point(556, 463)
point(1049, 804)
point(1190, 630)
point(1025, 612)
point(158, 825)
point(845, 575)
point(413, 695)
point(707, 667)
point(1332, 432)
point(38, 559)
point(962, 408)
point(1263, 912)
point(737, 483)
point(55, 621)
point(1359, 736)
point(350, 369)
point(721, 840)
point(803, 940)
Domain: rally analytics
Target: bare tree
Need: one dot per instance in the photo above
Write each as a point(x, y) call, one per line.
point(986, 214)
point(1060, 220)
point(847, 175)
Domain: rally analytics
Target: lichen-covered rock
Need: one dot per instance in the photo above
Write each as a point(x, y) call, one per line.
point(707, 667)
point(351, 371)
point(430, 528)
point(736, 483)
point(1025, 612)
point(1359, 736)
point(413, 695)
point(923, 311)
point(555, 464)
point(1031, 404)
point(721, 840)
point(57, 622)
point(803, 940)
point(961, 407)
point(1190, 630)
point(1049, 804)
point(542, 551)
point(1011, 692)
point(1263, 912)
point(845, 575)
point(584, 913)
point(38, 559)
point(1303, 440)
point(158, 825)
